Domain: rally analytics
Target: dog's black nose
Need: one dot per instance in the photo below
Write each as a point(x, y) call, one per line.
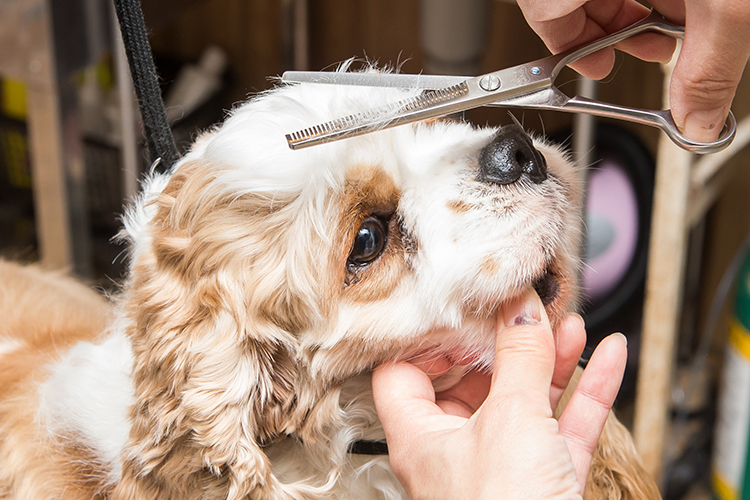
point(510, 155)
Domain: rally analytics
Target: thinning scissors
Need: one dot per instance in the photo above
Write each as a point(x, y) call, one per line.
point(530, 86)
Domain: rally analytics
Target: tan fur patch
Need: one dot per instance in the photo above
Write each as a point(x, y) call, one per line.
point(215, 279)
point(489, 266)
point(459, 206)
point(45, 313)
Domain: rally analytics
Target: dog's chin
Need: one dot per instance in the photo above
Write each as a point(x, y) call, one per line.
point(550, 288)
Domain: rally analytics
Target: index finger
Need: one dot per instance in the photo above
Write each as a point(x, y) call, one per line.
point(582, 421)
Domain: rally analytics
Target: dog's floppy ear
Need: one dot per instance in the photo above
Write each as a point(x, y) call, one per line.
point(617, 471)
point(213, 324)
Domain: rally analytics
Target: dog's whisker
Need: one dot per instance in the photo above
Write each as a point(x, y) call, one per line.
point(541, 122)
point(588, 266)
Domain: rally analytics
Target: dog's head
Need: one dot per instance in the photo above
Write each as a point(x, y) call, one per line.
point(262, 277)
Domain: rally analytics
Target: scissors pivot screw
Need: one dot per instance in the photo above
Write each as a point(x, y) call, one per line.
point(535, 70)
point(490, 83)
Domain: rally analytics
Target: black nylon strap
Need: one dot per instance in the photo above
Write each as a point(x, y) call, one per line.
point(158, 134)
point(363, 447)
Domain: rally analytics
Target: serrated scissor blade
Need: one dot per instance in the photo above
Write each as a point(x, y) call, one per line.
point(374, 119)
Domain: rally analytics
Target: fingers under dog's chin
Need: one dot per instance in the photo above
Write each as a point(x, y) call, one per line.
point(570, 340)
point(434, 365)
point(469, 393)
point(455, 408)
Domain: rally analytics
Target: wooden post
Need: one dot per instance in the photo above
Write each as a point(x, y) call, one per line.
point(44, 55)
point(663, 301)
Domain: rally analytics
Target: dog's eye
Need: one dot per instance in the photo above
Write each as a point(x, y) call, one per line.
point(368, 243)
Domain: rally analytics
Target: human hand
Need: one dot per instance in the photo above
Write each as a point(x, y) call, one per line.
point(457, 444)
point(715, 49)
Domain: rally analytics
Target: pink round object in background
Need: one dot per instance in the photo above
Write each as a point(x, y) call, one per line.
point(612, 229)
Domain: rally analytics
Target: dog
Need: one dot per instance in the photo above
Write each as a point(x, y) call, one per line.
point(264, 284)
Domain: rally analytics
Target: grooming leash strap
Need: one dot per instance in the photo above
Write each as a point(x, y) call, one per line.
point(161, 147)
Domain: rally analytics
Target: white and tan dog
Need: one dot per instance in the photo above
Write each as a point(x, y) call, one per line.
point(264, 285)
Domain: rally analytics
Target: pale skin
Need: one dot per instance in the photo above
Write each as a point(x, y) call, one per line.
point(495, 437)
point(715, 50)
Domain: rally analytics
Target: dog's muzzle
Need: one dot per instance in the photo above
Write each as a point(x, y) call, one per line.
point(510, 155)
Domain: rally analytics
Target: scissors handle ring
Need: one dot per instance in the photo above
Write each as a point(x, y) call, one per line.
point(725, 137)
point(655, 118)
point(654, 22)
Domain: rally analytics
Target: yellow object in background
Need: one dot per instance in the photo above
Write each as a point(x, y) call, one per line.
point(14, 144)
point(13, 99)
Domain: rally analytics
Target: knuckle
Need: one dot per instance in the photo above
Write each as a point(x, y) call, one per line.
point(526, 340)
point(597, 399)
point(707, 90)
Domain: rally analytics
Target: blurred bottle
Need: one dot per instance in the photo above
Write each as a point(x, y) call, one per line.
point(730, 470)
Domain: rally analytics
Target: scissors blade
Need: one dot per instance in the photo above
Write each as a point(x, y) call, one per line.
point(528, 86)
point(468, 94)
point(374, 79)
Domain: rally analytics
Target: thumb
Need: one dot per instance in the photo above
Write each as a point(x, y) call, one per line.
point(405, 402)
point(715, 50)
point(524, 350)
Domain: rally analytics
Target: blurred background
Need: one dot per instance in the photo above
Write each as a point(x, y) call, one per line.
point(72, 152)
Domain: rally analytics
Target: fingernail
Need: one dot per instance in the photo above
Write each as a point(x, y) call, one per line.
point(524, 310)
point(704, 126)
point(624, 338)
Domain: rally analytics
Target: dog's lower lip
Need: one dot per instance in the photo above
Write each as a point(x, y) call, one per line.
point(547, 287)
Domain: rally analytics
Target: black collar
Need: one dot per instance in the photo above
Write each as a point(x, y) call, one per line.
point(363, 447)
